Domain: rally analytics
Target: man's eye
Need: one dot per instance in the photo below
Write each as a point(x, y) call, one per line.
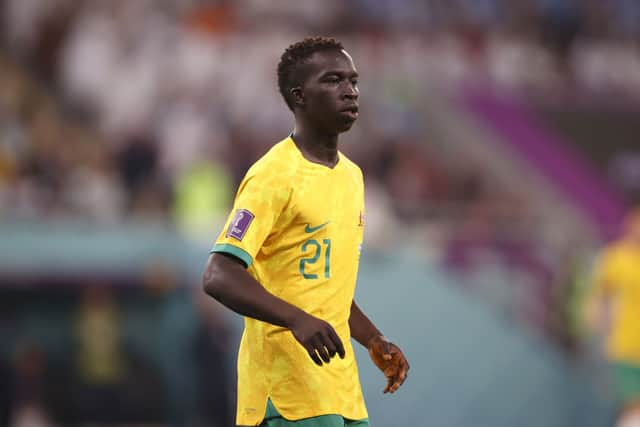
point(354, 82)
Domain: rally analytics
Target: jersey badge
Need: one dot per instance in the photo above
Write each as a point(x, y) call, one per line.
point(239, 224)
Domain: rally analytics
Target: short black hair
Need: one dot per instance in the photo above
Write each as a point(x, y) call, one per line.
point(295, 55)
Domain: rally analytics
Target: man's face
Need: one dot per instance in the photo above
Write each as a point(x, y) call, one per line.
point(330, 91)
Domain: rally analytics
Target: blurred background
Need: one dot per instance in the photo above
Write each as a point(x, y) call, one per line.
point(499, 143)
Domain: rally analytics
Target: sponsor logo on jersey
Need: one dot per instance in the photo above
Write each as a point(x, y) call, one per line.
point(310, 229)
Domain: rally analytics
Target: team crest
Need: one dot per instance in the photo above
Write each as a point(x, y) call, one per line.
point(239, 224)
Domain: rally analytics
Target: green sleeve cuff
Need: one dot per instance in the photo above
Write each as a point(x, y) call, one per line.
point(235, 251)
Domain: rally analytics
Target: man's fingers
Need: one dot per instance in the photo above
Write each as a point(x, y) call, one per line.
point(404, 370)
point(390, 373)
point(330, 345)
point(318, 346)
point(398, 381)
point(401, 375)
point(314, 356)
point(338, 343)
point(389, 384)
point(403, 378)
point(324, 354)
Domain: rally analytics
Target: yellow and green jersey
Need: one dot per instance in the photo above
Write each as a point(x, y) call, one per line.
point(618, 276)
point(298, 225)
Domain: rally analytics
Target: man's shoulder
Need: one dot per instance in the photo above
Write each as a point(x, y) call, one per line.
point(276, 161)
point(350, 165)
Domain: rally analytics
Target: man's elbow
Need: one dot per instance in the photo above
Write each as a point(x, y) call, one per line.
point(213, 282)
point(221, 275)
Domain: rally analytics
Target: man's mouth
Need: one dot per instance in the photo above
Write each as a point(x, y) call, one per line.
point(351, 111)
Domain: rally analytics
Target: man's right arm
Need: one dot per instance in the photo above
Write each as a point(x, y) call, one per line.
point(227, 280)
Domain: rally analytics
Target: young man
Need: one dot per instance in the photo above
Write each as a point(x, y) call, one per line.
point(288, 258)
point(616, 291)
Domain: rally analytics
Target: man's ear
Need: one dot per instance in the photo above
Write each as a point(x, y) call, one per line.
point(297, 96)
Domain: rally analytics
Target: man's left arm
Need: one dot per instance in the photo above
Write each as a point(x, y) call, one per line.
point(386, 355)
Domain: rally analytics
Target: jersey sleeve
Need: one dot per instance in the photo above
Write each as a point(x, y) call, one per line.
point(260, 200)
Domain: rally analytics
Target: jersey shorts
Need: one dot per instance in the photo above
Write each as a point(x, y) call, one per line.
point(274, 419)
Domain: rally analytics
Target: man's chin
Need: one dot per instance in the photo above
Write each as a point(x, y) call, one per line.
point(345, 126)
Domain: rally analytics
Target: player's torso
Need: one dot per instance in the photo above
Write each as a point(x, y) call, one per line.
point(311, 258)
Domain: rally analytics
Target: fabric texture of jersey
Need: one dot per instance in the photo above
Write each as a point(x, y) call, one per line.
point(298, 225)
point(618, 275)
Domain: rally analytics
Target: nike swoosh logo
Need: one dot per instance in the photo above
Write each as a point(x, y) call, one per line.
point(310, 229)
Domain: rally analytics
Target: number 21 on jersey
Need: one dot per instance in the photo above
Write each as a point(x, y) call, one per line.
point(315, 250)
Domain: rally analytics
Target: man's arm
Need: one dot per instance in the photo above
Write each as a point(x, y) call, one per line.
point(386, 355)
point(362, 329)
point(227, 280)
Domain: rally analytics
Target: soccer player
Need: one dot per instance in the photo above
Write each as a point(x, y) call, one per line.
point(617, 281)
point(288, 258)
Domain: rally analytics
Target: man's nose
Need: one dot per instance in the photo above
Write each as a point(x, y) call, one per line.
point(351, 93)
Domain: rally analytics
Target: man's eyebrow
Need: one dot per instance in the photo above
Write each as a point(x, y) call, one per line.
point(339, 73)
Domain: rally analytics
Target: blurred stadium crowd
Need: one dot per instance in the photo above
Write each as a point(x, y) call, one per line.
point(116, 111)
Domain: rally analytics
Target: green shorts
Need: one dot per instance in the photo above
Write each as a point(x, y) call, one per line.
point(626, 379)
point(274, 419)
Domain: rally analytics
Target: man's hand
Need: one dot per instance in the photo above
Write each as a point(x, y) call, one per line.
point(390, 360)
point(317, 337)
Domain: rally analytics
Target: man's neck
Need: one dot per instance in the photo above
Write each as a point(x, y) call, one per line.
point(316, 147)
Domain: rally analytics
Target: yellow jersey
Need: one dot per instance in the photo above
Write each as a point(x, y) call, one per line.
point(298, 226)
point(618, 276)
